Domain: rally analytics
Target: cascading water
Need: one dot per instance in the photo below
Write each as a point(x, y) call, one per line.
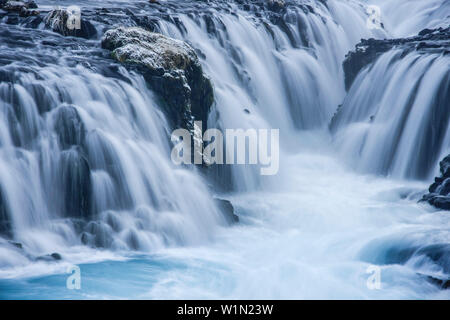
point(86, 171)
point(408, 17)
point(285, 75)
point(398, 127)
point(79, 146)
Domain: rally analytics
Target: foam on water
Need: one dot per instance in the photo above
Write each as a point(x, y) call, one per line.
point(314, 237)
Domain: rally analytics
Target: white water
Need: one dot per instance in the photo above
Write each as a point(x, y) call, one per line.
point(313, 238)
point(136, 190)
point(309, 232)
point(404, 18)
point(397, 127)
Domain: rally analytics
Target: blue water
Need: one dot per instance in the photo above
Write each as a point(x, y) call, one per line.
point(107, 279)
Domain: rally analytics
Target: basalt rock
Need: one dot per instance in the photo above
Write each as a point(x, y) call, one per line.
point(170, 67)
point(28, 13)
point(439, 191)
point(23, 8)
point(75, 174)
point(58, 19)
point(49, 257)
point(443, 284)
point(14, 6)
point(69, 127)
point(368, 50)
point(227, 210)
point(97, 234)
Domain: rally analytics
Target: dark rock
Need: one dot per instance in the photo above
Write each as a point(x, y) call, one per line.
point(97, 234)
point(13, 6)
point(69, 127)
point(18, 245)
point(5, 219)
point(276, 5)
point(227, 210)
point(367, 51)
point(439, 191)
point(170, 67)
point(441, 283)
point(75, 175)
point(31, 4)
point(56, 256)
point(132, 240)
point(50, 257)
point(57, 21)
point(17, 6)
point(28, 13)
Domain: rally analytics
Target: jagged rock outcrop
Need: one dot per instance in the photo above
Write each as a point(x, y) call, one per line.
point(439, 191)
point(57, 20)
point(227, 210)
point(24, 8)
point(17, 6)
point(367, 51)
point(49, 257)
point(171, 68)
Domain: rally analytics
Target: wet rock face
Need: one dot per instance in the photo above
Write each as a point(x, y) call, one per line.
point(75, 174)
point(69, 127)
point(171, 68)
point(97, 234)
point(57, 20)
point(439, 191)
point(16, 6)
point(227, 210)
point(23, 8)
point(367, 51)
point(5, 220)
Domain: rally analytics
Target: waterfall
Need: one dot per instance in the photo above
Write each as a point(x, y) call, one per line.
point(287, 75)
point(84, 153)
point(395, 118)
point(405, 18)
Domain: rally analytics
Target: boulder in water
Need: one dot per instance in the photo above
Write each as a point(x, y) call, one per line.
point(97, 234)
point(14, 6)
point(17, 245)
point(227, 210)
point(50, 257)
point(28, 13)
point(443, 284)
point(171, 68)
point(439, 191)
point(22, 7)
point(276, 5)
point(69, 127)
